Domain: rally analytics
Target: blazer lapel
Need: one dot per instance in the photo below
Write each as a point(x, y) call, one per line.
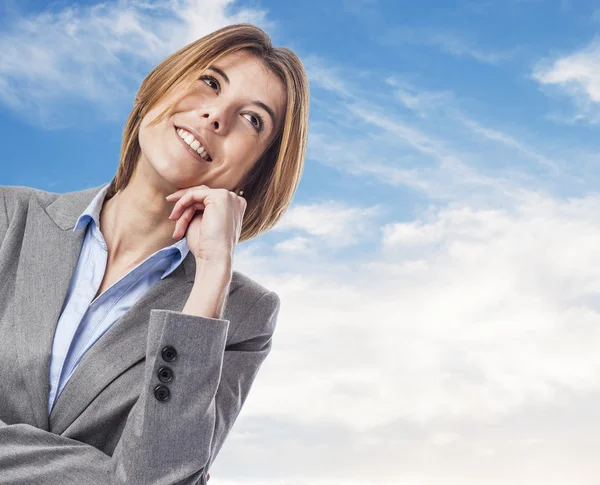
point(47, 261)
point(122, 346)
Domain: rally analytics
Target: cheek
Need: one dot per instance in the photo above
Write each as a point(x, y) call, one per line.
point(243, 151)
point(150, 138)
point(146, 144)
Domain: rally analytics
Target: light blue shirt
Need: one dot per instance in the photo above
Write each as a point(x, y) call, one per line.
point(83, 321)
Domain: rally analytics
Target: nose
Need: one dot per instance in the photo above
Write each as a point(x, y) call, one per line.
point(213, 121)
point(218, 116)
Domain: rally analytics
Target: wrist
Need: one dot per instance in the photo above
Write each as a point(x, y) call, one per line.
point(210, 290)
point(215, 269)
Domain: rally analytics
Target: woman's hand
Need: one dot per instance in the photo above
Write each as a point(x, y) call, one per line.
point(212, 234)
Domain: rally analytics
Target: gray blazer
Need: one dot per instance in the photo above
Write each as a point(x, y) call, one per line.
point(108, 426)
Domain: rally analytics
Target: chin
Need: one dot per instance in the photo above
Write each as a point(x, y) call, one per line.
point(174, 172)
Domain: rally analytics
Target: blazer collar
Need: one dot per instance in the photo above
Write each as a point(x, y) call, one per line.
point(66, 209)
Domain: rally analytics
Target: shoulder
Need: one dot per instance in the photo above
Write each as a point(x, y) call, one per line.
point(63, 208)
point(15, 198)
point(252, 304)
point(251, 292)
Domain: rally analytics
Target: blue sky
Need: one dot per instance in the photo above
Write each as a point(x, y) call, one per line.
point(439, 293)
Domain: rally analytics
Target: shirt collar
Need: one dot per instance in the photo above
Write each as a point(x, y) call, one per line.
point(178, 250)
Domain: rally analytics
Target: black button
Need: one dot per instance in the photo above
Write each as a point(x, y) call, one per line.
point(169, 354)
point(165, 374)
point(162, 393)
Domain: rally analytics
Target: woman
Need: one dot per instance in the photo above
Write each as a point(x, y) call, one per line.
point(130, 343)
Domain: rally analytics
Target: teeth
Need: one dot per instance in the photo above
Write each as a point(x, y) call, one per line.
point(193, 143)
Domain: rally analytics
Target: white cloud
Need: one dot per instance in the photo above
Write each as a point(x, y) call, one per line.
point(420, 101)
point(294, 245)
point(511, 142)
point(335, 224)
point(451, 43)
point(440, 105)
point(499, 312)
point(320, 72)
point(403, 135)
point(445, 439)
point(96, 56)
point(578, 75)
point(427, 342)
point(411, 233)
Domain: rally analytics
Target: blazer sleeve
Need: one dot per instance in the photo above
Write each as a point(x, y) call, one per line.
point(164, 442)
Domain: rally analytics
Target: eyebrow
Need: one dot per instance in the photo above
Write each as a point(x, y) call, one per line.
point(257, 103)
point(220, 72)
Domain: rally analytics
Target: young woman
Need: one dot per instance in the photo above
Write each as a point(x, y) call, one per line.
point(130, 343)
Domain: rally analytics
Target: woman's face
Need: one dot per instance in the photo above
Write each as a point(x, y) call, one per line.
point(231, 115)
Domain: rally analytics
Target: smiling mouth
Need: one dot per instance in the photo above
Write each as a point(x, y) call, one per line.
point(194, 145)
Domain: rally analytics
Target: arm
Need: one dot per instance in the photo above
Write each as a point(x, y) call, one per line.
point(169, 442)
point(242, 360)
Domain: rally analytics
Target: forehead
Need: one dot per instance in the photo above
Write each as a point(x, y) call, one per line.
point(242, 63)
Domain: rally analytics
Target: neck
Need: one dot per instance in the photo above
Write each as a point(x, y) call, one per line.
point(135, 221)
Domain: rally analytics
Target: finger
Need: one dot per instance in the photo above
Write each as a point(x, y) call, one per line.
point(174, 196)
point(180, 206)
point(195, 195)
point(183, 222)
point(198, 205)
point(179, 193)
point(186, 217)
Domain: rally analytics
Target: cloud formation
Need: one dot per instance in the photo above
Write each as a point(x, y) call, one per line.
point(577, 75)
point(96, 56)
point(452, 43)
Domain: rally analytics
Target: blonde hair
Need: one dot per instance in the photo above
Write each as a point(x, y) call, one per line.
point(270, 186)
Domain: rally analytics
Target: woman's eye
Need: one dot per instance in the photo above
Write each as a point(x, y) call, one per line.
point(256, 121)
point(211, 79)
